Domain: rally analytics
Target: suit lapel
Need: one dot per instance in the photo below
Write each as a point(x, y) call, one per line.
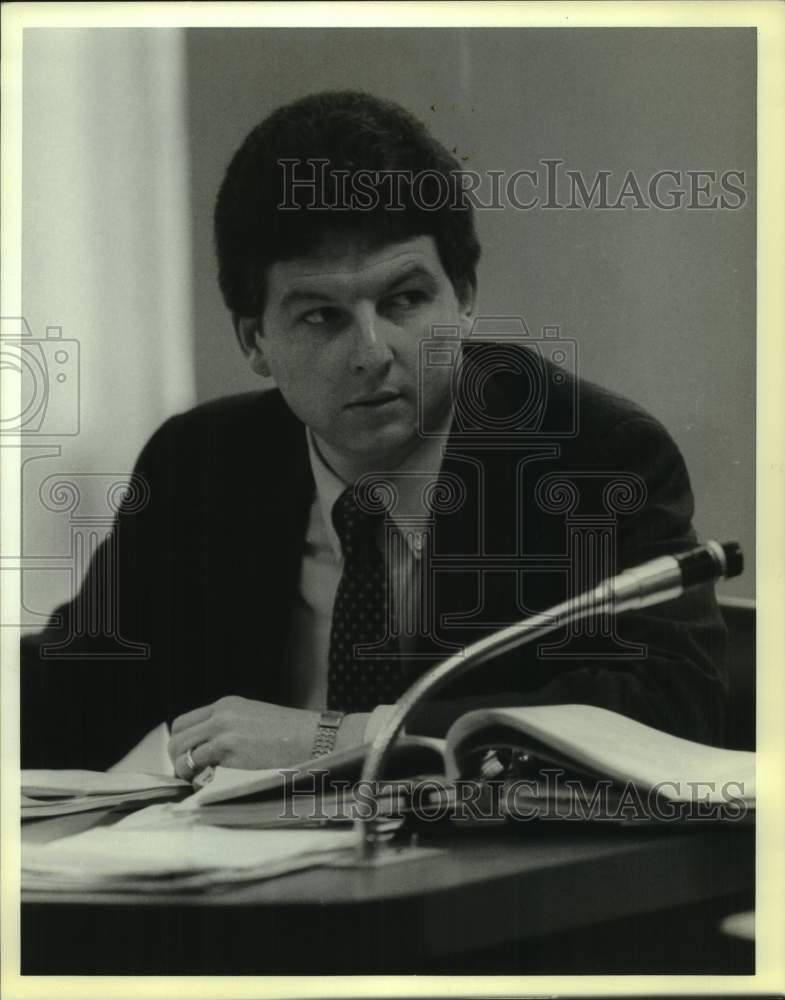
point(269, 531)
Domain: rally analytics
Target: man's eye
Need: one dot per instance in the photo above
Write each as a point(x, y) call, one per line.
point(321, 316)
point(407, 299)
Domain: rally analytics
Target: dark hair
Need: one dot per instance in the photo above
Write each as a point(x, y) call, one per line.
point(354, 132)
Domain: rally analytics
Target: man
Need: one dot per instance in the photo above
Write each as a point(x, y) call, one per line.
point(306, 552)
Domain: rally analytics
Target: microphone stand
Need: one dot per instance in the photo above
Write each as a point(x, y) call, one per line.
point(656, 581)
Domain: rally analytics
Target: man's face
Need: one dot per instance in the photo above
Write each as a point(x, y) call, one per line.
point(341, 334)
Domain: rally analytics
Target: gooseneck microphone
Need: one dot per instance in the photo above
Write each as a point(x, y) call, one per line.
point(660, 579)
point(669, 576)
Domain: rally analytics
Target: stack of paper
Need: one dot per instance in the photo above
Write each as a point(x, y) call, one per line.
point(154, 851)
point(145, 774)
point(57, 793)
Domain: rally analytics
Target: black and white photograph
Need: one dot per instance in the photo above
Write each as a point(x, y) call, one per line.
point(382, 403)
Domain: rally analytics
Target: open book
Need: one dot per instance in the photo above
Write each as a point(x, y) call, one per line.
point(566, 761)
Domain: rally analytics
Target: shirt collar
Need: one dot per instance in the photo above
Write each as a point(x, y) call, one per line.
point(425, 460)
point(328, 488)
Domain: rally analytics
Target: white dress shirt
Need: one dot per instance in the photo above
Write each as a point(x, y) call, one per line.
point(306, 655)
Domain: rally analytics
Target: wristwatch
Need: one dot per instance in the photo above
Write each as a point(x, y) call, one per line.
point(326, 733)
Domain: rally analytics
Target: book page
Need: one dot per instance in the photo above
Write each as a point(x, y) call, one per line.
point(150, 755)
point(620, 748)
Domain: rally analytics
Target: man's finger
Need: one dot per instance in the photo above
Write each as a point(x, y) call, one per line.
point(191, 737)
point(191, 718)
point(201, 757)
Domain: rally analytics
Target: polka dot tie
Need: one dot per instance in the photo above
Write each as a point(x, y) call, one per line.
point(363, 669)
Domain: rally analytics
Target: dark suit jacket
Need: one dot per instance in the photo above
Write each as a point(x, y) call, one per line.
point(208, 568)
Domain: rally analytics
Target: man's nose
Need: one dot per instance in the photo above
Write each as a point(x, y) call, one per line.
point(369, 347)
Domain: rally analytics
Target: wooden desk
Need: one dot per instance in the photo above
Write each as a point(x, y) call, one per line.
point(538, 898)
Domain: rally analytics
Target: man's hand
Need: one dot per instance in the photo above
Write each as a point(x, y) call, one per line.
point(238, 732)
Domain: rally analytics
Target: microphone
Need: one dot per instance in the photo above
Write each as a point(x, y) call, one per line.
point(653, 582)
point(667, 577)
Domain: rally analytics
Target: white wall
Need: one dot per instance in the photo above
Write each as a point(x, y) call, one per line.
point(106, 257)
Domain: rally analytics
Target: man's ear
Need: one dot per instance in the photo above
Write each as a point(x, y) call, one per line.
point(251, 342)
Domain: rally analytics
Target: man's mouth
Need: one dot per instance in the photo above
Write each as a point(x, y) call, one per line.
point(375, 401)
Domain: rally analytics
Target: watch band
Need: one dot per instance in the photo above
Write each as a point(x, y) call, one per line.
point(326, 733)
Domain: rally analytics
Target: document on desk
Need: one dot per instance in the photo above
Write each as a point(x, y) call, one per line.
point(35, 806)
point(161, 852)
point(143, 775)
